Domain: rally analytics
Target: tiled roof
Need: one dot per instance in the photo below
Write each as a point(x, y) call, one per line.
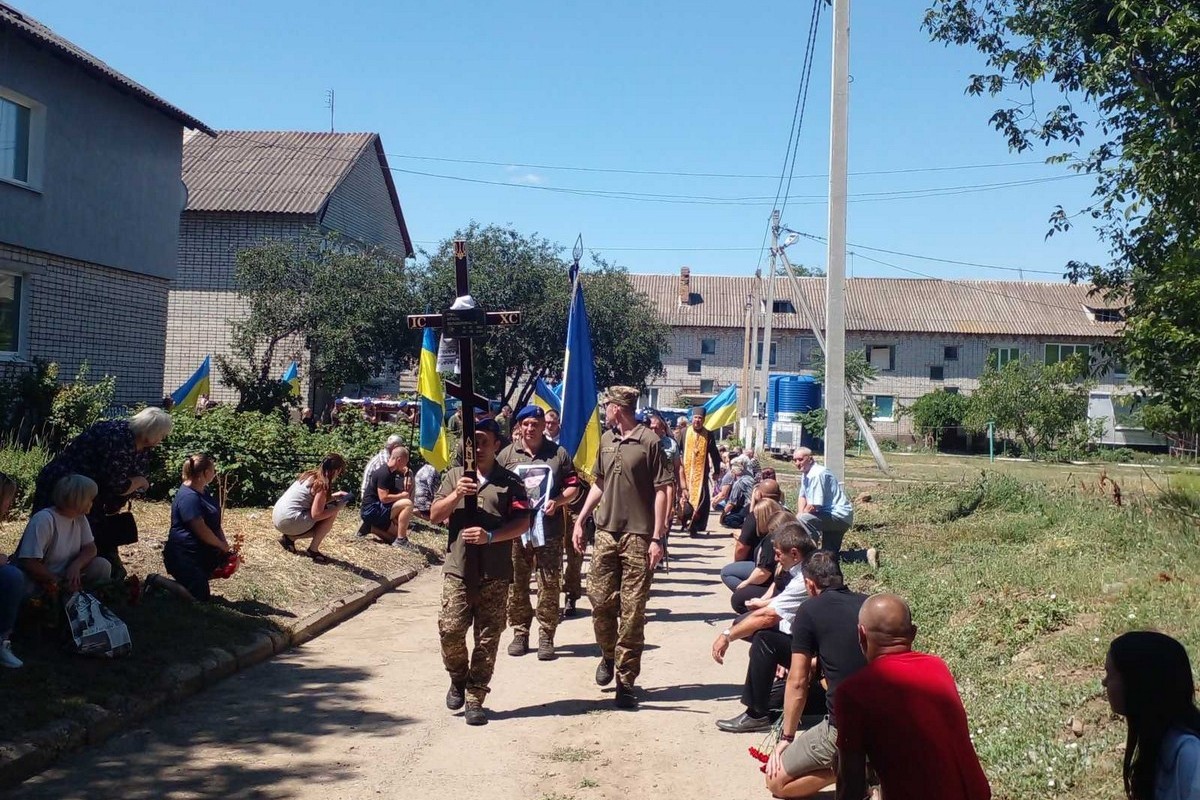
point(900, 305)
point(40, 35)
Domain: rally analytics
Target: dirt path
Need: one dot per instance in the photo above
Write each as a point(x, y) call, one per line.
point(359, 712)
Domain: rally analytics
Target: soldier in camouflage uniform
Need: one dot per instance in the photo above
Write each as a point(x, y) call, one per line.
point(478, 569)
point(629, 499)
point(530, 446)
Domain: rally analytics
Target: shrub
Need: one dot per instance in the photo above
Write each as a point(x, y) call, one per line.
point(23, 465)
point(934, 413)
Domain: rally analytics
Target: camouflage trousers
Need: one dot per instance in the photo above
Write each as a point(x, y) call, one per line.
point(573, 575)
point(618, 586)
point(549, 582)
point(486, 615)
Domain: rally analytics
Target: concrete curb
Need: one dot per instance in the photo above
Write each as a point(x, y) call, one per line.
point(37, 750)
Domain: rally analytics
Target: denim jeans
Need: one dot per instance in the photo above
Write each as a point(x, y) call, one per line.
point(12, 594)
point(735, 572)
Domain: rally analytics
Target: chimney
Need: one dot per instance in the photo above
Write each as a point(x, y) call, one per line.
point(685, 286)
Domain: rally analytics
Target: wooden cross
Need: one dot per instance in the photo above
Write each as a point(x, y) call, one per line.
point(465, 325)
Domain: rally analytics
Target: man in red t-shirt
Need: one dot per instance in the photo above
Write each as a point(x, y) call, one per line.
point(903, 713)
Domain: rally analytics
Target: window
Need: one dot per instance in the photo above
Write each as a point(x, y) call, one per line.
point(650, 398)
point(937, 373)
point(882, 357)
point(706, 386)
point(810, 352)
point(951, 390)
point(693, 365)
point(1000, 356)
point(10, 313)
point(1057, 353)
point(1125, 412)
point(950, 353)
point(708, 347)
point(14, 140)
point(885, 406)
point(774, 353)
point(1105, 314)
point(782, 307)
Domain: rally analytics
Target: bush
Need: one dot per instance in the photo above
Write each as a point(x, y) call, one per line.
point(260, 454)
point(934, 413)
point(23, 465)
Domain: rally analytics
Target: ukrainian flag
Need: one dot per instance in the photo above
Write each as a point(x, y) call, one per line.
point(200, 383)
point(580, 411)
point(292, 375)
point(546, 398)
point(722, 409)
point(435, 446)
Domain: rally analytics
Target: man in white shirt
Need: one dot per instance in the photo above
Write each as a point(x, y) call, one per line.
point(769, 629)
point(823, 504)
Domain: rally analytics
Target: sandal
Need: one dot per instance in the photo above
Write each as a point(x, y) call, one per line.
point(317, 556)
point(288, 543)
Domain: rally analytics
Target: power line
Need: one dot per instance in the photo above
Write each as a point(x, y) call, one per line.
point(802, 99)
point(816, 238)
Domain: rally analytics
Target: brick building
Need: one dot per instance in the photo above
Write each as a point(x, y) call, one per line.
point(921, 335)
point(247, 187)
point(89, 211)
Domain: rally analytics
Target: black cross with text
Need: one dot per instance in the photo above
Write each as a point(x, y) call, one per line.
point(465, 325)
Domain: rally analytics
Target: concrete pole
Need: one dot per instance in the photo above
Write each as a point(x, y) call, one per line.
point(744, 387)
point(755, 311)
point(835, 283)
point(765, 379)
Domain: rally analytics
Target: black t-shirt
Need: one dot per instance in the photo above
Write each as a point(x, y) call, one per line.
point(749, 535)
point(383, 478)
point(826, 626)
point(764, 558)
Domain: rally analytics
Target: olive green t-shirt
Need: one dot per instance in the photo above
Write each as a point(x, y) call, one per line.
point(553, 455)
point(632, 468)
point(500, 498)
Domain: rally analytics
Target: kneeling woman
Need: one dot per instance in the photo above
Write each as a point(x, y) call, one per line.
point(196, 544)
point(309, 507)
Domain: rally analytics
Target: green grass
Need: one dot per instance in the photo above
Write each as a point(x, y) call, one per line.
point(571, 755)
point(1020, 587)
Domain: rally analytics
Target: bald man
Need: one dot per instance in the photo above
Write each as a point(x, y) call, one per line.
point(903, 713)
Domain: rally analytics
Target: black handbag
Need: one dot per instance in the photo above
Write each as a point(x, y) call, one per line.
point(115, 529)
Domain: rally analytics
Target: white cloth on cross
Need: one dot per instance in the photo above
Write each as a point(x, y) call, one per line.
point(447, 355)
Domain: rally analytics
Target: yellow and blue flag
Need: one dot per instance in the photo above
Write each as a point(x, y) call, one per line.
point(580, 410)
point(200, 383)
point(435, 444)
point(721, 410)
point(547, 397)
point(291, 375)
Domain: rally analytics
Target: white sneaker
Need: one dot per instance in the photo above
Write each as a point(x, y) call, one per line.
point(7, 659)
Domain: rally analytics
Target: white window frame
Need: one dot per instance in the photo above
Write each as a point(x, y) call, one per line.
point(891, 417)
point(37, 138)
point(23, 319)
point(1013, 354)
point(891, 348)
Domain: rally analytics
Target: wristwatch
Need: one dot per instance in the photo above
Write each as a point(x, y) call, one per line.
point(726, 633)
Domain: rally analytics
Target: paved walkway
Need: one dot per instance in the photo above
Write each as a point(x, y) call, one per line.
point(359, 712)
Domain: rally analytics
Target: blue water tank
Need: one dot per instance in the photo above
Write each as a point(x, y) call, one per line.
point(787, 395)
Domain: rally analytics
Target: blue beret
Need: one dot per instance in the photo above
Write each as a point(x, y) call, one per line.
point(490, 425)
point(531, 411)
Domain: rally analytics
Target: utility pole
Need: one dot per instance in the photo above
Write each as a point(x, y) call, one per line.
point(767, 325)
point(835, 282)
point(744, 393)
point(751, 406)
point(329, 98)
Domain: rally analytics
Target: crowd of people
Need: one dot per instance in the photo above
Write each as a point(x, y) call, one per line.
point(831, 671)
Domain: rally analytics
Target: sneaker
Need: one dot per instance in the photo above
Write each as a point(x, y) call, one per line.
point(7, 659)
point(405, 544)
point(604, 672)
point(744, 723)
point(546, 647)
point(625, 697)
point(873, 557)
point(475, 715)
point(569, 609)
point(454, 696)
point(520, 644)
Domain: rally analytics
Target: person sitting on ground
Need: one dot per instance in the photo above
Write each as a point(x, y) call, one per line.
point(57, 549)
point(764, 504)
point(115, 454)
point(767, 579)
point(823, 503)
point(196, 544)
point(903, 713)
point(825, 631)
point(738, 505)
point(387, 501)
point(310, 506)
point(378, 460)
point(724, 485)
point(1148, 678)
point(12, 583)
point(750, 462)
point(770, 630)
point(425, 486)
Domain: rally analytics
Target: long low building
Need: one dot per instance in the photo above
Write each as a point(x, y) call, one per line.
point(919, 334)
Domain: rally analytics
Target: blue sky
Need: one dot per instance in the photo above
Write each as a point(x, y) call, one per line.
point(665, 86)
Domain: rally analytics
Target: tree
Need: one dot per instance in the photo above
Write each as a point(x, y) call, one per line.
point(801, 271)
point(527, 273)
point(934, 413)
point(1039, 404)
point(342, 302)
point(1128, 72)
point(859, 373)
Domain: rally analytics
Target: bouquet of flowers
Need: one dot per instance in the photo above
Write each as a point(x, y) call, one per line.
point(762, 753)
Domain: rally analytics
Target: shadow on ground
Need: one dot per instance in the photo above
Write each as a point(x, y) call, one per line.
point(286, 705)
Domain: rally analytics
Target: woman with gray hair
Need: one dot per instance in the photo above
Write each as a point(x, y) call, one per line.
point(115, 453)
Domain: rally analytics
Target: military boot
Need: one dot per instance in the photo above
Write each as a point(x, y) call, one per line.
point(520, 644)
point(546, 647)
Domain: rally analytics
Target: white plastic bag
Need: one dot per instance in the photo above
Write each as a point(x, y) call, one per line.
point(96, 630)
